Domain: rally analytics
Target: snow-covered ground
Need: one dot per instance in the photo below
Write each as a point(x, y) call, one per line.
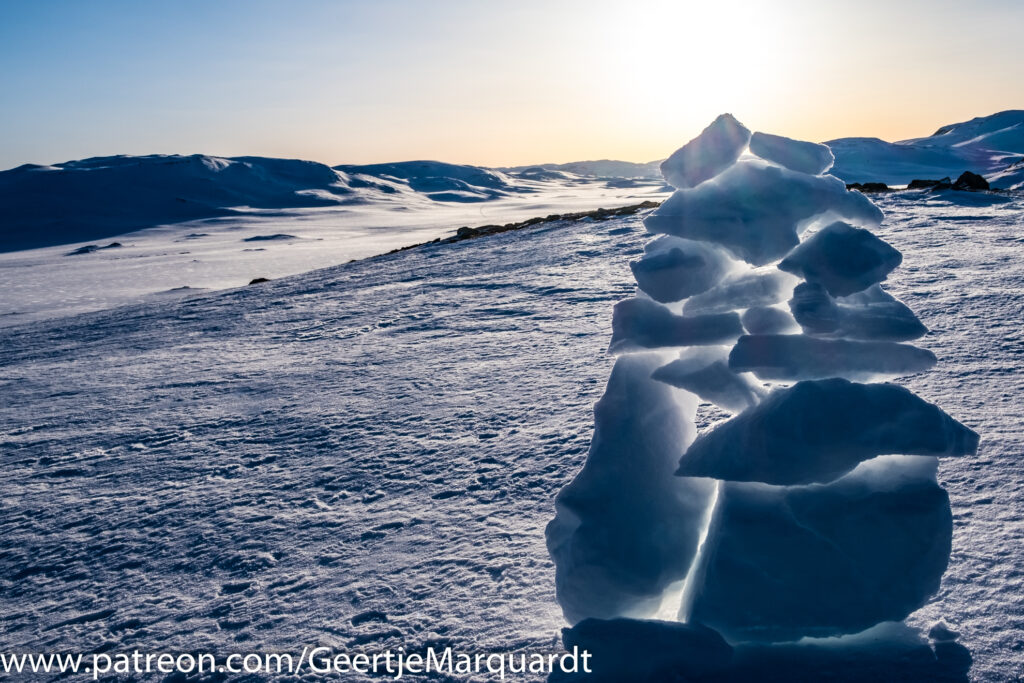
point(246, 219)
point(249, 470)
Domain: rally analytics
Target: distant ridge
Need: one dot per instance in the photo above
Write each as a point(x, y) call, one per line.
point(992, 146)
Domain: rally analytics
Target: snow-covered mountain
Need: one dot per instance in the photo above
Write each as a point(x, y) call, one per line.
point(992, 146)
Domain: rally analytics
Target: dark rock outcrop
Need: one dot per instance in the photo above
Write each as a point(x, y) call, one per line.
point(970, 181)
point(868, 187)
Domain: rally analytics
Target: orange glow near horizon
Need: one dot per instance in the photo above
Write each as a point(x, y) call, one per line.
point(492, 84)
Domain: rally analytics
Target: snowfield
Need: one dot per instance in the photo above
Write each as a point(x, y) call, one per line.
point(366, 455)
point(112, 231)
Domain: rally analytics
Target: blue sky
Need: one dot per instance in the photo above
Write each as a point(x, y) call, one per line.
point(487, 82)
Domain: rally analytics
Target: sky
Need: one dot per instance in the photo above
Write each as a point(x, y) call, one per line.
point(495, 83)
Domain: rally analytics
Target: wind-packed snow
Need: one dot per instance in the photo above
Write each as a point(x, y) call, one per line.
point(705, 371)
point(743, 290)
point(768, 320)
point(673, 269)
point(251, 469)
point(823, 520)
point(871, 314)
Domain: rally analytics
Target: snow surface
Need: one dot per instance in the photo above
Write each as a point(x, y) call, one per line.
point(251, 469)
point(219, 238)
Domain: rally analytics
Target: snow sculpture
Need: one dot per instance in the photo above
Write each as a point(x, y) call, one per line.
point(814, 511)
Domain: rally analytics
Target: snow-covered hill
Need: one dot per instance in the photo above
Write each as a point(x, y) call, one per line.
point(365, 456)
point(602, 168)
point(440, 181)
point(91, 234)
point(990, 145)
point(103, 197)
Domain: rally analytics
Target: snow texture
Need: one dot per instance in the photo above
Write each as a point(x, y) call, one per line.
point(757, 211)
point(714, 150)
point(796, 155)
point(792, 357)
point(844, 259)
point(816, 431)
point(299, 461)
point(172, 248)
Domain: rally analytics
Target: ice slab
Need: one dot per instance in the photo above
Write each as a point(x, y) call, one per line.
point(673, 269)
point(816, 431)
point(792, 357)
point(634, 650)
point(705, 371)
point(625, 529)
point(824, 560)
point(876, 314)
point(843, 258)
point(743, 290)
point(872, 314)
point(640, 324)
point(768, 320)
point(714, 150)
point(757, 210)
point(796, 155)
point(646, 650)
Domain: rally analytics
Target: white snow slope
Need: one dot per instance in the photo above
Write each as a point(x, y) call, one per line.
point(251, 469)
point(199, 222)
point(992, 146)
